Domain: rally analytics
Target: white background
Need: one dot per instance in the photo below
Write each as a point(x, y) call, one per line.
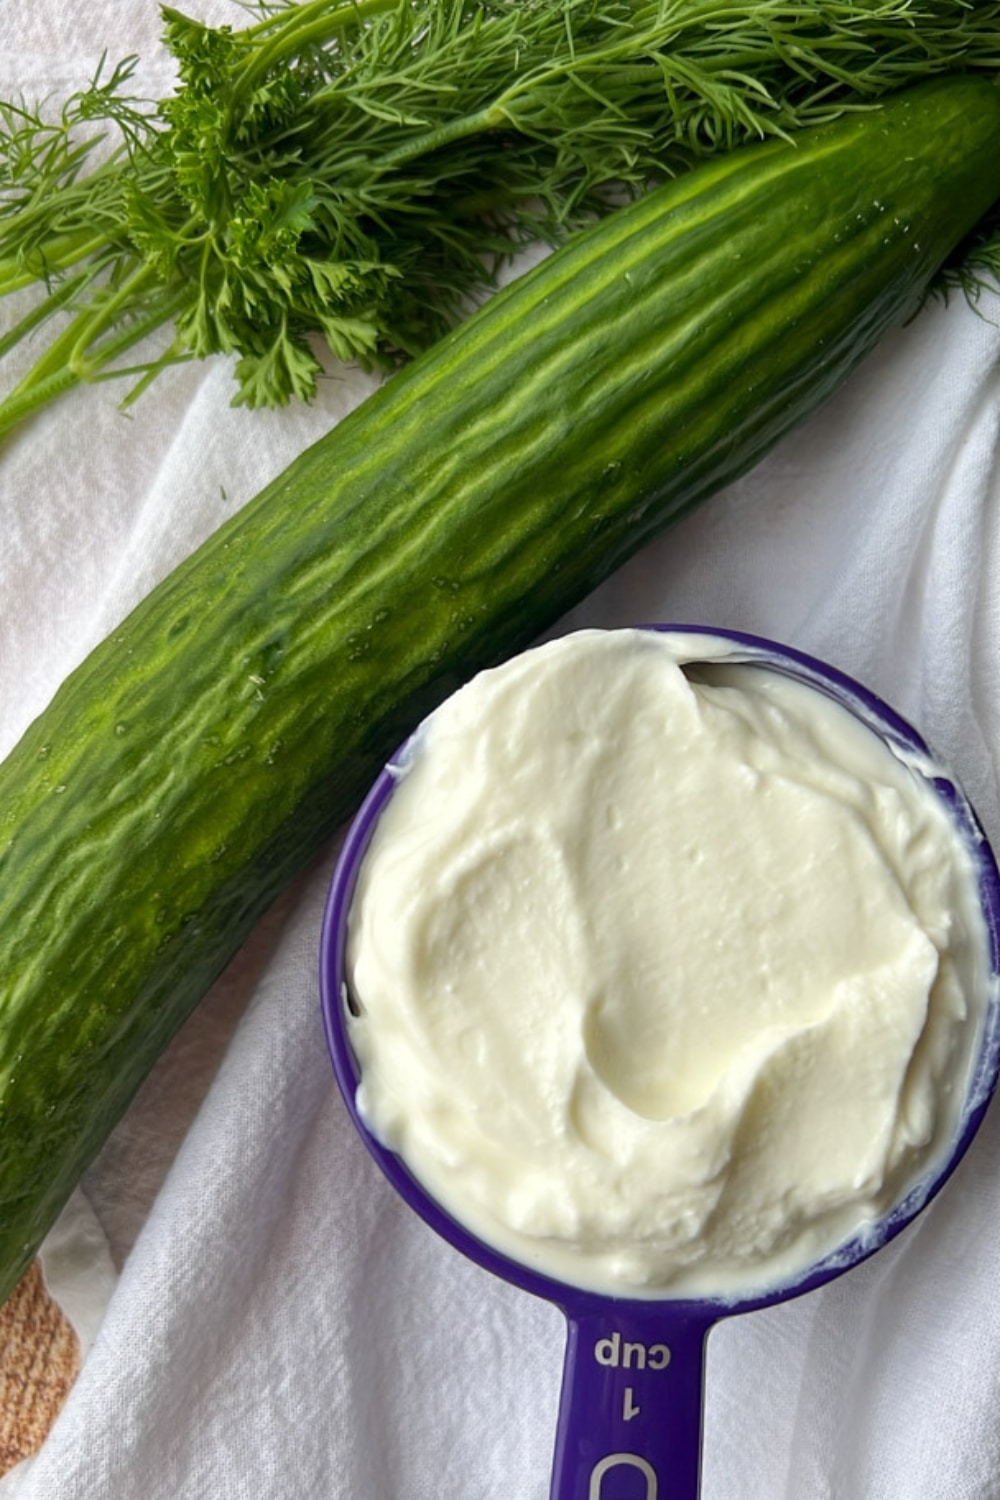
point(281, 1326)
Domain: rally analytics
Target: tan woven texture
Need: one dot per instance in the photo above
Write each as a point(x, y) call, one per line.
point(39, 1360)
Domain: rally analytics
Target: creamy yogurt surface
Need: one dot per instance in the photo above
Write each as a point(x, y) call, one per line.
point(667, 972)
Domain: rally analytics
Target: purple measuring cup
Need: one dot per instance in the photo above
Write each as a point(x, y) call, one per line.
point(630, 1415)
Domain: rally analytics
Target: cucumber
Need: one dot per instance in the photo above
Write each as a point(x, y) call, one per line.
point(203, 752)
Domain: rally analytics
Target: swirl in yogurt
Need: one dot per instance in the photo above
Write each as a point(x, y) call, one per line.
point(667, 970)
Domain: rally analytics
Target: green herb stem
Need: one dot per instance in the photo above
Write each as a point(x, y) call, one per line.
point(47, 261)
point(54, 377)
point(42, 310)
point(310, 25)
point(77, 355)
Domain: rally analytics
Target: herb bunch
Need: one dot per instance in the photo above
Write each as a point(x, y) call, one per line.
point(353, 172)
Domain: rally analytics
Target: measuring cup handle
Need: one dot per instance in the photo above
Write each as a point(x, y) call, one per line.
point(630, 1414)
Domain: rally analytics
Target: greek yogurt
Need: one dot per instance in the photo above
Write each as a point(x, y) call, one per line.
point(667, 973)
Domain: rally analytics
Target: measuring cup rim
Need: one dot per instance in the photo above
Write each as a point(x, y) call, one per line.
point(579, 1300)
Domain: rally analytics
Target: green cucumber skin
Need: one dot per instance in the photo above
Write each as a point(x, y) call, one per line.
point(196, 760)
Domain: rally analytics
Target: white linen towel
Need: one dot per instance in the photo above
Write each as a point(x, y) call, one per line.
point(281, 1326)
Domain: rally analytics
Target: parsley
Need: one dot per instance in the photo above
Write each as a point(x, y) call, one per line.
point(350, 173)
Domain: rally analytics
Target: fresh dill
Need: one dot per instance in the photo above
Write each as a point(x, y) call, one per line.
point(355, 171)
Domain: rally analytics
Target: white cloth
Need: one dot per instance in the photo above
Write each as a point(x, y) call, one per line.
point(282, 1326)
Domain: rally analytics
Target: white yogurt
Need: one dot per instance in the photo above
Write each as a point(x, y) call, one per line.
point(669, 976)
